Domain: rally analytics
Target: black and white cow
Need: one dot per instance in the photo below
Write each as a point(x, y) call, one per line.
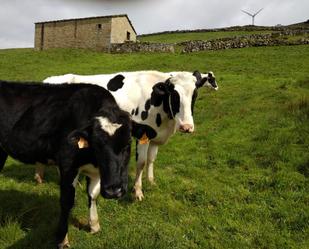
point(160, 103)
point(79, 127)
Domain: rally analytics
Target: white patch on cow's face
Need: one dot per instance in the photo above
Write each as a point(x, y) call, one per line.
point(108, 126)
point(184, 85)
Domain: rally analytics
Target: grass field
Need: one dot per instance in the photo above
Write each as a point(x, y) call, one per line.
point(240, 181)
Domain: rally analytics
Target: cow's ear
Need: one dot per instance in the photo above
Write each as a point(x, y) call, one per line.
point(159, 91)
point(197, 74)
point(79, 138)
point(199, 80)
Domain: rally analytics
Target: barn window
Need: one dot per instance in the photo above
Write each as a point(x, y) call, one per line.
point(128, 36)
point(99, 26)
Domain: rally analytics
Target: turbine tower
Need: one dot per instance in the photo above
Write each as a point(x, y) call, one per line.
point(252, 15)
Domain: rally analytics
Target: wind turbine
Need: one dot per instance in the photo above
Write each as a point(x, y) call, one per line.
point(252, 15)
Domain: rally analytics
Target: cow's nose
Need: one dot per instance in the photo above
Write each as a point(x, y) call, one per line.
point(113, 193)
point(188, 128)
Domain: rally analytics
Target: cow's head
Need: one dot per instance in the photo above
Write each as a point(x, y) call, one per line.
point(108, 137)
point(208, 79)
point(178, 94)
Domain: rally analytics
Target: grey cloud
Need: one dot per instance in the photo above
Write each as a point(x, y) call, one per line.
point(17, 17)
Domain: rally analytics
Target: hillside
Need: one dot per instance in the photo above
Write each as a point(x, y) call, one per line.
point(187, 36)
point(302, 25)
point(179, 36)
point(240, 181)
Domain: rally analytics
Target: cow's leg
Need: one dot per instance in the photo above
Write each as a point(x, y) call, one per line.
point(3, 157)
point(39, 172)
point(67, 195)
point(151, 157)
point(93, 190)
point(142, 150)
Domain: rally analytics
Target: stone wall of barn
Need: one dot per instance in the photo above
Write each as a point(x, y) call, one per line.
point(121, 30)
point(89, 34)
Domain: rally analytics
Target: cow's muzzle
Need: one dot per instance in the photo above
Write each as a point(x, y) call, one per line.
point(113, 192)
point(186, 128)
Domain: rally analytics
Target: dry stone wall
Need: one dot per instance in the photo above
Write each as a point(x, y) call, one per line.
point(129, 47)
point(255, 40)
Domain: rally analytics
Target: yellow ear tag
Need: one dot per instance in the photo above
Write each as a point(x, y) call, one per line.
point(144, 139)
point(82, 143)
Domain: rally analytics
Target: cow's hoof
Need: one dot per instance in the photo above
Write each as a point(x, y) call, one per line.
point(38, 178)
point(60, 246)
point(138, 194)
point(152, 181)
point(64, 244)
point(95, 228)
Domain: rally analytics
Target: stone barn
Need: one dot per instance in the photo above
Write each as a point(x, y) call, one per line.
point(95, 33)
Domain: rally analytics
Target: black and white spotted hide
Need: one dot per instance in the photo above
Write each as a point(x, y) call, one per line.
point(165, 93)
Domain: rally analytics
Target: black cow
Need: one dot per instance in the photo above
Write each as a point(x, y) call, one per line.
point(78, 127)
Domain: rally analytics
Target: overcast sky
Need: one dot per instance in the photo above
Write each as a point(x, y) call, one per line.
point(17, 17)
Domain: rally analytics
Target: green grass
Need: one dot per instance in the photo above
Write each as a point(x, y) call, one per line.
point(240, 181)
point(181, 37)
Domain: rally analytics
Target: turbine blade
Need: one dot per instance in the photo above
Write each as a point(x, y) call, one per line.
point(247, 12)
point(258, 12)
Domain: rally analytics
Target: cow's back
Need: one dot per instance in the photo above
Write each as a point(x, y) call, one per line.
point(130, 89)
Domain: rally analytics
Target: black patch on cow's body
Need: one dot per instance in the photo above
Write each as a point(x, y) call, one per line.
point(194, 96)
point(132, 112)
point(147, 104)
point(158, 120)
point(175, 102)
point(156, 100)
point(165, 93)
point(136, 111)
point(171, 105)
point(138, 130)
point(144, 115)
point(115, 83)
point(159, 90)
